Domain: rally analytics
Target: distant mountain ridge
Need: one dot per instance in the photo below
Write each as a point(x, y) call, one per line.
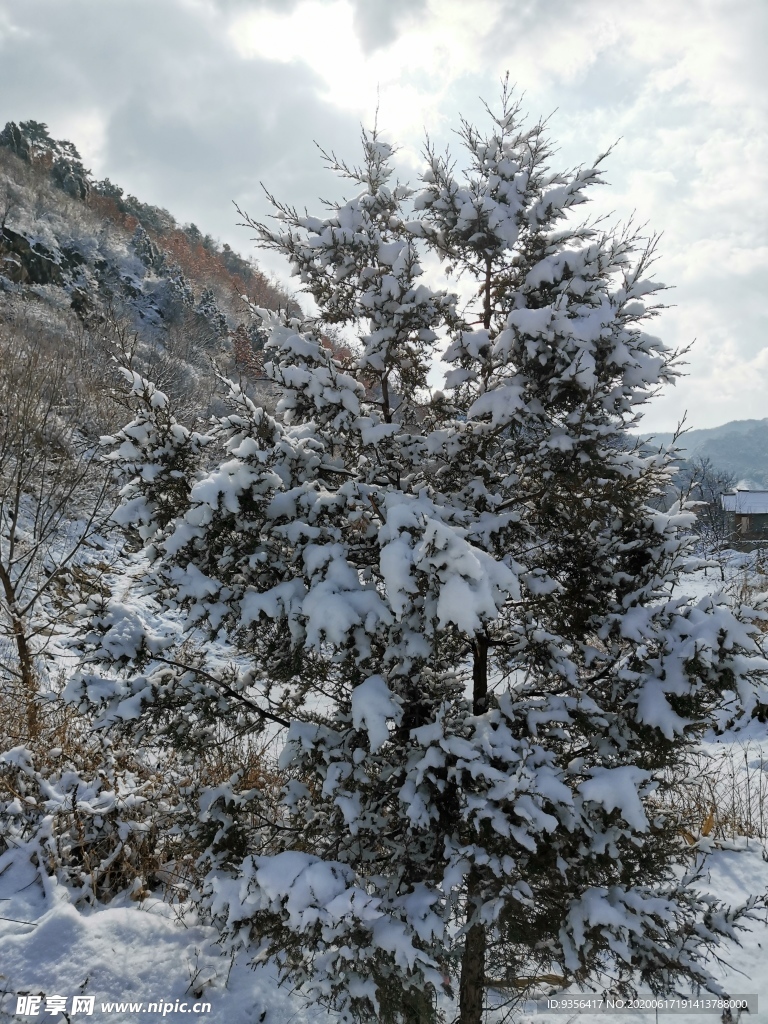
point(740, 446)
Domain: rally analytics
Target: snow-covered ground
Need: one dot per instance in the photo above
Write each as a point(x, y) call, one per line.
point(731, 875)
point(150, 952)
point(125, 953)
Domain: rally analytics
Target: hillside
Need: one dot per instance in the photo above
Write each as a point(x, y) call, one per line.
point(741, 447)
point(105, 277)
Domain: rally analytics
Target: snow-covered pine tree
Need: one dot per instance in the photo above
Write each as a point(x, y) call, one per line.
point(463, 605)
point(179, 289)
point(208, 308)
point(149, 254)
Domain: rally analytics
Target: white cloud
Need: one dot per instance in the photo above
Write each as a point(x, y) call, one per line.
point(88, 130)
point(407, 77)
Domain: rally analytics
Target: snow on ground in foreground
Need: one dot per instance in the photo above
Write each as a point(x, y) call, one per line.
point(125, 952)
point(142, 953)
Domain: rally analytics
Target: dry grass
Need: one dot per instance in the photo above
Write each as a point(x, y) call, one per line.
point(724, 795)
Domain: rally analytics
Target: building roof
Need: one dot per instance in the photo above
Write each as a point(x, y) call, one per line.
point(746, 503)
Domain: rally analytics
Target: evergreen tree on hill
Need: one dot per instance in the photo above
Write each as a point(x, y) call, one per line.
point(459, 607)
point(39, 139)
point(31, 141)
point(11, 137)
point(178, 286)
point(149, 254)
point(208, 307)
point(110, 190)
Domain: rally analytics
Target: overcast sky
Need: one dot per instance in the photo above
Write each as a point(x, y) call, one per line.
point(189, 104)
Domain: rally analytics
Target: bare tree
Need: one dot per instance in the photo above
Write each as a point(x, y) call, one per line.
point(53, 500)
point(8, 205)
point(708, 483)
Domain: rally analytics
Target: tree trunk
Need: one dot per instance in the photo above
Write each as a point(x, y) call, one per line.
point(471, 991)
point(28, 678)
point(480, 676)
point(25, 656)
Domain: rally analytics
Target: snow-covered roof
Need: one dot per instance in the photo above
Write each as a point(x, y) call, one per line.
point(748, 503)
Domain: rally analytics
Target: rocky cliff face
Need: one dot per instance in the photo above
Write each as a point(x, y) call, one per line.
point(23, 262)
